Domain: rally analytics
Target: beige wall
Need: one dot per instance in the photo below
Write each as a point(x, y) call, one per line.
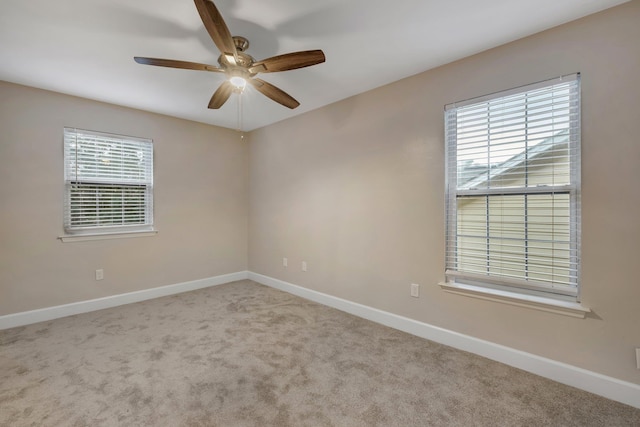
point(356, 189)
point(200, 201)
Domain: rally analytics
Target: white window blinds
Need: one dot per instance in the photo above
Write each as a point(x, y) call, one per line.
point(513, 182)
point(108, 182)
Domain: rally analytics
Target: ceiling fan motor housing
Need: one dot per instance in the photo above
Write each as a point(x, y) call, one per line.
point(242, 60)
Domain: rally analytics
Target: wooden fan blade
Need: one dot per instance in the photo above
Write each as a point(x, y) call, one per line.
point(221, 95)
point(270, 91)
point(216, 27)
point(171, 63)
point(288, 61)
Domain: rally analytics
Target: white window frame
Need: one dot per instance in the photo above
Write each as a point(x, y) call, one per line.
point(459, 281)
point(119, 175)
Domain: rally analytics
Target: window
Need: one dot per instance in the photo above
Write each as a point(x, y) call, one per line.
point(108, 183)
point(513, 190)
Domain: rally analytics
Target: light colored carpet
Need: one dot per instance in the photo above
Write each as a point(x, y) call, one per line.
point(243, 354)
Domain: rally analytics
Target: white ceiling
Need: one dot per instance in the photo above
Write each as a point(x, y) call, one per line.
point(86, 47)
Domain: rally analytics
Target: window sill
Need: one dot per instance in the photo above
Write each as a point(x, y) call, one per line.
point(566, 308)
point(67, 238)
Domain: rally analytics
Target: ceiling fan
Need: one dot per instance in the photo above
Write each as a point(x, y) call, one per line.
point(240, 67)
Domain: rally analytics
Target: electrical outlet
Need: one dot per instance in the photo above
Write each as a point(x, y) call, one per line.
point(304, 265)
point(638, 358)
point(99, 274)
point(415, 290)
point(285, 262)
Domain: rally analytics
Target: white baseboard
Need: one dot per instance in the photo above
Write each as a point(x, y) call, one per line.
point(50, 313)
point(583, 379)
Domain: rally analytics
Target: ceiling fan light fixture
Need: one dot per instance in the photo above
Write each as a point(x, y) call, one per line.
point(238, 82)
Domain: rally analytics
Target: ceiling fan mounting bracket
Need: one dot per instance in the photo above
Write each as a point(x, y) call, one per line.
point(241, 43)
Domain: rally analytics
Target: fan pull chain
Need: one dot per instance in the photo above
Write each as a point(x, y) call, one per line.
point(240, 115)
